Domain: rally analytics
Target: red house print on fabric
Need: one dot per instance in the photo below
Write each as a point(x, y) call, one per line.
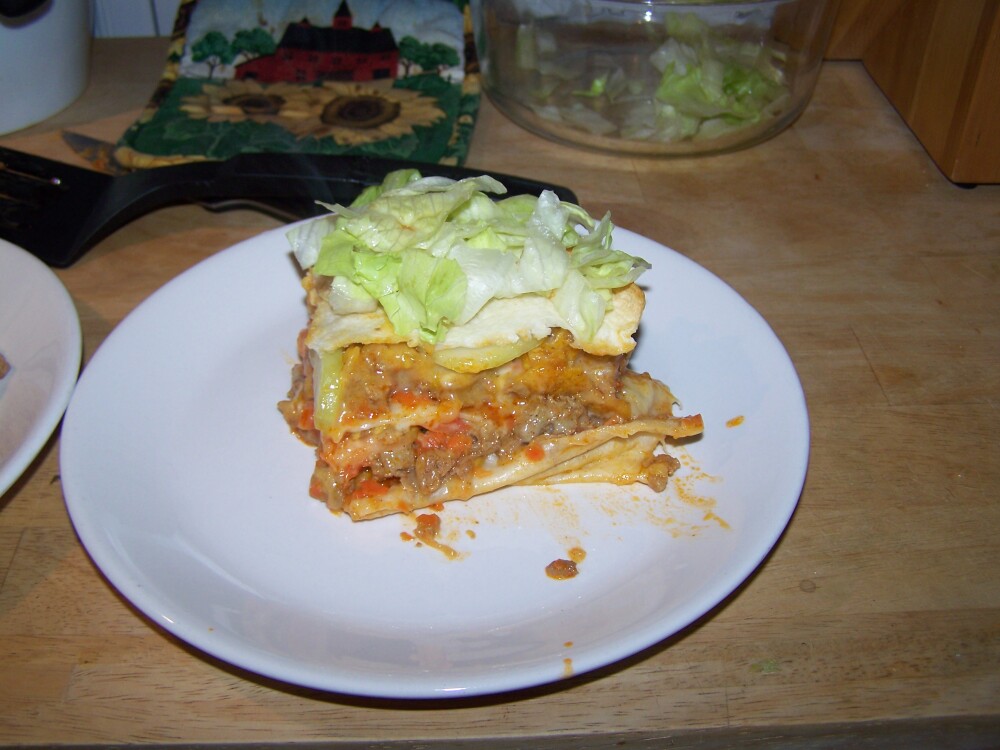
point(340, 52)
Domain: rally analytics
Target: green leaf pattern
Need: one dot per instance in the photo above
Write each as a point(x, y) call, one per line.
point(168, 131)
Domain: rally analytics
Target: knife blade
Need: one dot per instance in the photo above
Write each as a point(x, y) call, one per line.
point(100, 155)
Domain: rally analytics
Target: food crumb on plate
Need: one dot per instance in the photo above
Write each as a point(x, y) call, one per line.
point(561, 569)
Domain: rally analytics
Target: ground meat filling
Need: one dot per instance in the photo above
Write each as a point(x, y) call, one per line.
point(553, 390)
point(536, 417)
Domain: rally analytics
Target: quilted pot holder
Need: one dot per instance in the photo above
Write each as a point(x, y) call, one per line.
point(391, 78)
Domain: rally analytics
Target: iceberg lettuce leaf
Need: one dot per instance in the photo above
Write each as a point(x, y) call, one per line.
point(432, 252)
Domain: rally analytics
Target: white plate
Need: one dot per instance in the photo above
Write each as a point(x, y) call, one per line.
point(40, 338)
point(189, 492)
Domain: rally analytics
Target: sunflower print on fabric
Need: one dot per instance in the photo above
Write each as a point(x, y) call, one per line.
point(396, 78)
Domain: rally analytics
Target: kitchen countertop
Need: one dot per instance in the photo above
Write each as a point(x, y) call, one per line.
point(875, 620)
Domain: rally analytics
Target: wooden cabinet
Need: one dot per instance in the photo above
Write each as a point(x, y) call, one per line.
point(938, 62)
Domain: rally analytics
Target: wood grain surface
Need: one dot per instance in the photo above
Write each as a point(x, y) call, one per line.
point(856, 23)
point(874, 623)
point(939, 64)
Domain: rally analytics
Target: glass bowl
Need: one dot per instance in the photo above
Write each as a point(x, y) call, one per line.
point(651, 77)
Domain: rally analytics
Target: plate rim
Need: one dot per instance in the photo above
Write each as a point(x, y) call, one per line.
point(47, 418)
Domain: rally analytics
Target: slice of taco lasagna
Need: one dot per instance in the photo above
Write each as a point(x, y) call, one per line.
point(458, 343)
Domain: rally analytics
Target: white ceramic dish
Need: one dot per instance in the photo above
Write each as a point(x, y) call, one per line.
point(190, 494)
point(43, 83)
point(40, 338)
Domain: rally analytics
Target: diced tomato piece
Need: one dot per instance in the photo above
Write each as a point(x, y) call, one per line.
point(316, 490)
point(459, 443)
point(451, 436)
point(306, 417)
point(410, 399)
point(369, 488)
point(431, 440)
point(534, 452)
point(498, 416)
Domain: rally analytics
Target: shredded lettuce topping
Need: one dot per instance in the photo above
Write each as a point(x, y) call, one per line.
point(432, 251)
point(699, 83)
